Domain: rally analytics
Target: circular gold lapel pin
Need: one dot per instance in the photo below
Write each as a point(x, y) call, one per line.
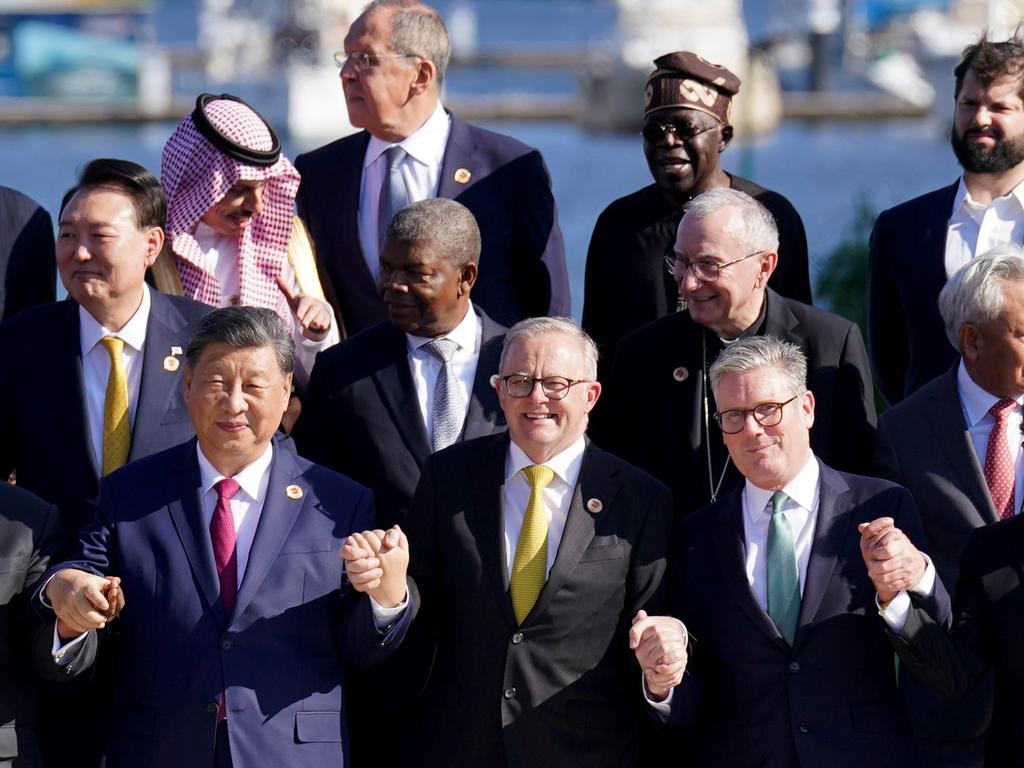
point(293, 492)
point(680, 374)
point(462, 176)
point(594, 506)
point(171, 363)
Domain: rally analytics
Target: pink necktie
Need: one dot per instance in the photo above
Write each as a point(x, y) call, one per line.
point(222, 534)
point(999, 471)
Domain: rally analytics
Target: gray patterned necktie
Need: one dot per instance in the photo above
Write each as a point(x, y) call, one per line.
point(449, 411)
point(783, 577)
point(393, 194)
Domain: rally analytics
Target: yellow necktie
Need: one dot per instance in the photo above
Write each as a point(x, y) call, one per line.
point(117, 433)
point(530, 563)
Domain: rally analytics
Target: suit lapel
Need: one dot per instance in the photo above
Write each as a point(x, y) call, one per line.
point(485, 416)
point(397, 391)
point(459, 154)
point(487, 520)
point(158, 385)
point(67, 356)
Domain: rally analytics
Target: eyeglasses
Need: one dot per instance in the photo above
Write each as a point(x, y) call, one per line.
point(555, 387)
point(364, 62)
point(705, 271)
point(765, 414)
point(655, 132)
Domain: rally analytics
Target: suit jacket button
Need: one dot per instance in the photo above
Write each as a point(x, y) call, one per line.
point(517, 638)
point(226, 644)
point(804, 728)
point(794, 667)
point(510, 693)
point(212, 708)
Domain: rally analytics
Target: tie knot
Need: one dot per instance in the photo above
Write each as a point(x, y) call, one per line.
point(779, 500)
point(114, 345)
point(227, 488)
point(442, 349)
point(394, 156)
point(1001, 409)
point(539, 475)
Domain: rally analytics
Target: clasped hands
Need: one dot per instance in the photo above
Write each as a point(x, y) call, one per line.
point(894, 564)
point(376, 563)
point(659, 643)
point(83, 601)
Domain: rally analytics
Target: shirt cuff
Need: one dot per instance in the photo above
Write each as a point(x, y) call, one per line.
point(62, 653)
point(661, 707)
point(898, 609)
point(385, 618)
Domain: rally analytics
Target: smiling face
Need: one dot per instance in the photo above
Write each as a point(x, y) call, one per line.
point(993, 351)
point(683, 168)
point(540, 426)
point(234, 212)
point(236, 399)
point(103, 254)
point(769, 457)
point(988, 124)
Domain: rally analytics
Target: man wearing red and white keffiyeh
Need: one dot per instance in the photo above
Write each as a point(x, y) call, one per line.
point(231, 200)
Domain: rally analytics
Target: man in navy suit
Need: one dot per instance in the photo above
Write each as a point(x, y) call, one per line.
point(240, 617)
point(27, 270)
point(789, 664)
point(918, 244)
point(57, 371)
point(411, 148)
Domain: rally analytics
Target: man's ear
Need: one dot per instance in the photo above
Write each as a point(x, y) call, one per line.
point(726, 137)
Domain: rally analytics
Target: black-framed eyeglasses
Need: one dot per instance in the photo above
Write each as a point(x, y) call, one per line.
point(654, 131)
point(364, 62)
point(555, 387)
point(706, 271)
point(765, 414)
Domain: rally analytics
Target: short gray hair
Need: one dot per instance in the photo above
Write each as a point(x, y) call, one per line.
point(974, 294)
point(417, 30)
point(541, 326)
point(755, 228)
point(446, 223)
point(756, 352)
point(241, 328)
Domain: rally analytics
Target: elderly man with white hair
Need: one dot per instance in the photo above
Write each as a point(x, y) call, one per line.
point(956, 445)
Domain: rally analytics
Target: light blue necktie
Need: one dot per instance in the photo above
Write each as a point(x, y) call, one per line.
point(449, 411)
point(783, 577)
point(393, 194)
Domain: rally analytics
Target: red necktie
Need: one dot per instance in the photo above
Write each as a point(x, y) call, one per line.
point(222, 534)
point(999, 470)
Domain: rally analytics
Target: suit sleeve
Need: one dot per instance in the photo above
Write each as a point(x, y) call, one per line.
point(887, 324)
point(791, 277)
point(32, 269)
point(314, 434)
point(542, 245)
point(886, 460)
point(599, 297)
point(853, 442)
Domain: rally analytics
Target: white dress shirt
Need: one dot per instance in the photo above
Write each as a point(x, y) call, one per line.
point(421, 170)
point(975, 228)
point(976, 403)
point(425, 366)
point(515, 494)
point(96, 366)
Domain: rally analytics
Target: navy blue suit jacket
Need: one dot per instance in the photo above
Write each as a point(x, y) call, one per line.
point(830, 698)
point(28, 266)
point(279, 659)
point(522, 262)
point(43, 419)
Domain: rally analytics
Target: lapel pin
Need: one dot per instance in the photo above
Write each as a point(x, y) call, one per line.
point(293, 492)
point(594, 506)
point(176, 350)
point(171, 363)
point(680, 374)
point(462, 176)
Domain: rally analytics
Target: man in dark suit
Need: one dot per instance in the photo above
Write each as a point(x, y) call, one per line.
point(57, 372)
point(28, 537)
point(789, 664)
point(233, 649)
point(375, 404)
point(411, 149)
point(532, 551)
point(918, 244)
point(725, 254)
point(686, 129)
point(27, 267)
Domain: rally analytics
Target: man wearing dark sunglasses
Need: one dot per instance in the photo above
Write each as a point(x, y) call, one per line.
point(686, 129)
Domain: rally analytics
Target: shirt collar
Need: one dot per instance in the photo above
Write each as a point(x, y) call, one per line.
point(248, 479)
point(426, 144)
point(463, 334)
point(566, 465)
point(976, 401)
point(962, 198)
point(802, 489)
point(133, 334)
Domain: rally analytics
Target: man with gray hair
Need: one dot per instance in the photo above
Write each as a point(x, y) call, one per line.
point(955, 444)
point(725, 252)
point(770, 583)
point(411, 148)
point(534, 550)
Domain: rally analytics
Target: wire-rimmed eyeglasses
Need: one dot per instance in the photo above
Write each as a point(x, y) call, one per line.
point(364, 62)
point(706, 271)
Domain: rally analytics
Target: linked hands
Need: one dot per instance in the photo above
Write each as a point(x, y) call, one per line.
point(83, 601)
point(312, 314)
point(894, 564)
point(660, 646)
point(376, 563)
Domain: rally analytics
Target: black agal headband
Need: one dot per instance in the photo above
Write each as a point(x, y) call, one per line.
point(228, 146)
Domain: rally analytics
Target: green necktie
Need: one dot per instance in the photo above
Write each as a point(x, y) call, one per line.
point(529, 566)
point(783, 577)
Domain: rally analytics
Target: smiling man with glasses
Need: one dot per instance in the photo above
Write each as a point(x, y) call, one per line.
point(725, 252)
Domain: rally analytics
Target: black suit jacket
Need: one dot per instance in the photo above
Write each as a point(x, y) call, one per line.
point(522, 262)
point(906, 271)
point(28, 265)
point(28, 537)
point(830, 699)
point(360, 416)
point(43, 416)
point(654, 414)
point(563, 687)
point(988, 634)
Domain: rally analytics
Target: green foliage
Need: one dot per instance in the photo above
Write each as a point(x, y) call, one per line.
point(842, 280)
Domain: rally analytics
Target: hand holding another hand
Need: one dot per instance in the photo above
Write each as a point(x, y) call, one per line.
point(376, 563)
point(894, 564)
point(83, 601)
point(660, 646)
